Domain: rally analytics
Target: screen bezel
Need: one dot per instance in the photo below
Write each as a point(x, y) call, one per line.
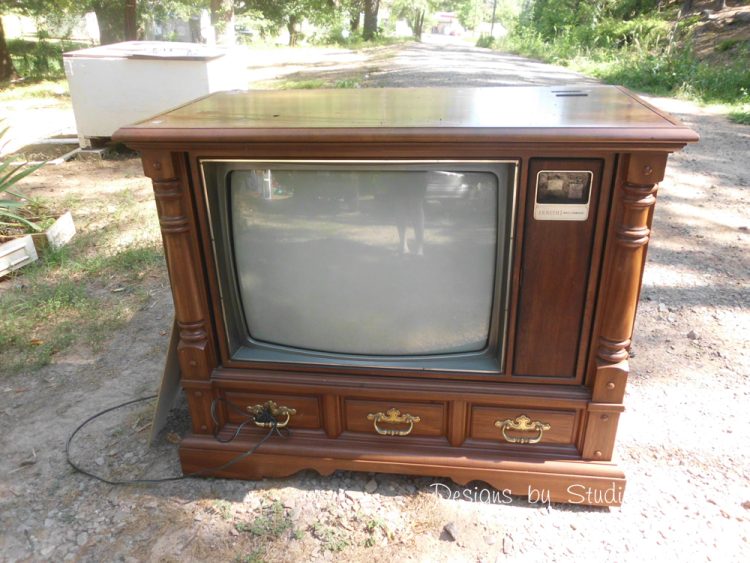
point(243, 348)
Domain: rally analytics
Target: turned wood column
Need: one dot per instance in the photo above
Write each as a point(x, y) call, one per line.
point(195, 350)
point(625, 255)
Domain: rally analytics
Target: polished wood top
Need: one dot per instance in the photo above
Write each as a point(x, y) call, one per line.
point(585, 112)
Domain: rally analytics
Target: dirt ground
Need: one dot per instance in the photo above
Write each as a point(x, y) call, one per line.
point(684, 440)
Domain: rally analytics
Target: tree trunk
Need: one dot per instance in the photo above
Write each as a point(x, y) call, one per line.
point(354, 21)
point(131, 27)
point(111, 23)
point(222, 18)
point(721, 5)
point(418, 24)
point(291, 27)
point(7, 72)
point(370, 27)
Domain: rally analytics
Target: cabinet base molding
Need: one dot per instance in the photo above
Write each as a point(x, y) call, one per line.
point(540, 480)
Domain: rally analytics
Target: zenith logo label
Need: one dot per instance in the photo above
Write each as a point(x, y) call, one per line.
point(561, 212)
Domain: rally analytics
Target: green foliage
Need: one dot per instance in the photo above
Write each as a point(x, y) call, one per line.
point(630, 42)
point(38, 60)
point(331, 539)
point(290, 13)
point(741, 115)
point(10, 174)
point(486, 41)
point(271, 524)
point(473, 12)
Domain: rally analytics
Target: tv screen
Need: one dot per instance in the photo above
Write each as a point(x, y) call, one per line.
point(391, 261)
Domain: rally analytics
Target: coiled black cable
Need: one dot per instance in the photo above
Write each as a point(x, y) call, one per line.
point(268, 417)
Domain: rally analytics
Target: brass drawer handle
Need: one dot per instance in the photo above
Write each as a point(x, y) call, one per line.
point(393, 416)
point(522, 424)
point(274, 410)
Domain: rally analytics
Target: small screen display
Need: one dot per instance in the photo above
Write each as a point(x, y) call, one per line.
point(366, 262)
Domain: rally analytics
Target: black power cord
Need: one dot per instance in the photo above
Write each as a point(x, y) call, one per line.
point(267, 418)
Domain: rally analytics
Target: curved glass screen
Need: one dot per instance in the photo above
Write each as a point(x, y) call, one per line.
point(366, 262)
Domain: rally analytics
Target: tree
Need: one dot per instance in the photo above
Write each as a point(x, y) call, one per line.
point(27, 8)
point(354, 9)
point(370, 27)
point(414, 12)
point(222, 18)
point(7, 72)
point(291, 13)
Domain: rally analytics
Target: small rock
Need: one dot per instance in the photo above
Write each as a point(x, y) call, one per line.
point(82, 538)
point(233, 532)
point(744, 228)
point(746, 505)
point(490, 539)
point(371, 486)
point(507, 544)
point(692, 335)
point(671, 317)
point(663, 308)
point(450, 531)
point(99, 461)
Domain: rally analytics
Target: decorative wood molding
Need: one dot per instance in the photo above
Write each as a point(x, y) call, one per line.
point(195, 351)
point(634, 200)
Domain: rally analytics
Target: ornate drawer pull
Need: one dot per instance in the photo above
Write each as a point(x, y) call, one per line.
point(393, 416)
point(522, 424)
point(270, 407)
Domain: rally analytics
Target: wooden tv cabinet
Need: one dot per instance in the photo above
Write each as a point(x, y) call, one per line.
point(547, 419)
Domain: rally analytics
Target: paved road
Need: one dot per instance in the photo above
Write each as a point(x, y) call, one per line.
point(436, 63)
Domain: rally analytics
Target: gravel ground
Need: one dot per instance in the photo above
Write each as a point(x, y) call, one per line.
point(683, 442)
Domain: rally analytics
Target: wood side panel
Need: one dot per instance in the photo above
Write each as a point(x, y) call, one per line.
point(554, 278)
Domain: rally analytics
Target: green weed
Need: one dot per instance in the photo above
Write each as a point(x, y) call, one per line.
point(271, 524)
point(332, 539)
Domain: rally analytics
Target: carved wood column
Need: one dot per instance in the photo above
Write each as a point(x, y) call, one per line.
point(625, 255)
point(195, 350)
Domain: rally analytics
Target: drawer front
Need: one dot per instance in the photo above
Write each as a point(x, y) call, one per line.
point(307, 407)
point(523, 426)
point(395, 418)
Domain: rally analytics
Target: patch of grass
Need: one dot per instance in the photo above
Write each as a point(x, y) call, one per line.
point(80, 293)
point(255, 556)
point(374, 527)
point(301, 84)
point(28, 90)
point(223, 508)
point(741, 115)
point(271, 524)
point(310, 84)
point(356, 42)
point(332, 539)
point(347, 83)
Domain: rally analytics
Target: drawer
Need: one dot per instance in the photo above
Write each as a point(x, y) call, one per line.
point(395, 418)
point(307, 407)
point(523, 426)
